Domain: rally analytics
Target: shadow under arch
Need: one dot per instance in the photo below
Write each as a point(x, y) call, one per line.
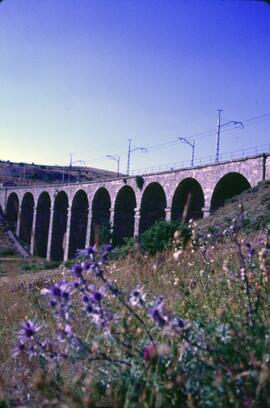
point(153, 206)
point(78, 223)
point(42, 224)
point(228, 186)
point(59, 226)
point(188, 200)
point(100, 224)
point(123, 225)
point(26, 222)
point(12, 211)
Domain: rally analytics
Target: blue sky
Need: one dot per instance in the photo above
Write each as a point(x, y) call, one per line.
point(84, 76)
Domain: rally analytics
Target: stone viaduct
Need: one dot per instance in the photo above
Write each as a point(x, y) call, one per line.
point(55, 220)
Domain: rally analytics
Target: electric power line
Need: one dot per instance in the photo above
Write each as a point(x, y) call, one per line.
point(200, 135)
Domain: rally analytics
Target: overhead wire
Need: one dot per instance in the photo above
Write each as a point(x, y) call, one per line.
point(199, 135)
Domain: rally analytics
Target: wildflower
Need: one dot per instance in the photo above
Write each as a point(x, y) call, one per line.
point(86, 265)
point(20, 348)
point(77, 270)
point(107, 247)
point(178, 323)
point(97, 296)
point(58, 292)
point(263, 264)
point(28, 330)
point(156, 312)
point(137, 297)
point(88, 251)
point(250, 250)
point(150, 352)
point(177, 255)
point(193, 284)
point(64, 332)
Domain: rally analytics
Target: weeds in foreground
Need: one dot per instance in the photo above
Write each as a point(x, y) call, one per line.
point(100, 345)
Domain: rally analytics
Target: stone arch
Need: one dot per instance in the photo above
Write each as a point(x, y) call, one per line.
point(101, 206)
point(188, 200)
point(59, 227)
point(78, 222)
point(12, 211)
point(123, 225)
point(26, 218)
point(42, 224)
point(228, 186)
point(153, 206)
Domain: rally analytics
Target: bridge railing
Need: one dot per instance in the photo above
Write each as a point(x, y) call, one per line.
point(202, 161)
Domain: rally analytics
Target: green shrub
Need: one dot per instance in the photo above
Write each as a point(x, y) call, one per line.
point(254, 189)
point(231, 200)
point(27, 266)
point(105, 233)
point(50, 265)
point(39, 266)
point(124, 250)
point(7, 252)
point(160, 236)
point(247, 224)
point(265, 198)
point(260, 221)
point(69, 263)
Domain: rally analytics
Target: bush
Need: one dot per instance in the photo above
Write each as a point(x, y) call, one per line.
point(50, 265)
point(104, 233)
point(265, 198)
point(160, 236)
point(39, 266)
point(123, 250)
point(7, 252)
point(261, 221)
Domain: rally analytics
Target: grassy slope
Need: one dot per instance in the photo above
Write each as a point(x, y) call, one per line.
point(256, 206)
point(29, 174)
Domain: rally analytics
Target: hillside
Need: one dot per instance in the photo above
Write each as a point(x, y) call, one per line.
point(255, 204)
point(32, 174)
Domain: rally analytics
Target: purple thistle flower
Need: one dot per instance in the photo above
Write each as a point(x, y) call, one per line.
point(137, 297)
point(97, 296)
point(105, 256)
point(87, 265)
point(88, 251)
point(155, 312)
point(107, 247)
point(89, 308)
point(52, 303)
point(77, 270)
point(28, 329)
point(58, 292)
point(179, 323)
point(20, 348)
point(250, 251)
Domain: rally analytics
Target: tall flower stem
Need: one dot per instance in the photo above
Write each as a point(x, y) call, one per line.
point(243, 272)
